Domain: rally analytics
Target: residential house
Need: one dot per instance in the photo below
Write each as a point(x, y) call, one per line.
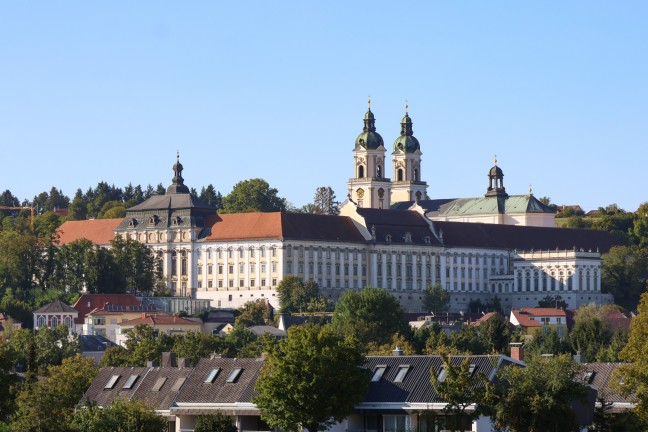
point(55, 314)
point(167, 324)
point(539, 320)
point(89, 302)
point(94, 346)
point(106, 321)
point(605, 378)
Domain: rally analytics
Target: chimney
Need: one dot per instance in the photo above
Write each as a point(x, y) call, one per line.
point(397, 352)
point(183, 363)
point(169, 359)
point(517, 351)
point(151, 364)
point(579, 358)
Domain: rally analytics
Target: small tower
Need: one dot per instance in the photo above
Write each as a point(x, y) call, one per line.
point(407, 184)
point(177, 183)
point(369, 187)
point(496, 182)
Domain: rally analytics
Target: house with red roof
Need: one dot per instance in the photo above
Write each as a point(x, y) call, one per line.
point(89, 302)
point(539, 320)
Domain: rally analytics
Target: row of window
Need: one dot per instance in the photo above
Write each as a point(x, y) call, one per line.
point(347, 269)
point(230, 268)
point(219, 253)
point(241, 283)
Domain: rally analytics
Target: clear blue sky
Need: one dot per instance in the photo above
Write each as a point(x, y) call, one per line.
point(93, 91)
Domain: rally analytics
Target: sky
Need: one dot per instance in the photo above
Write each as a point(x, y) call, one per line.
point(110, 91)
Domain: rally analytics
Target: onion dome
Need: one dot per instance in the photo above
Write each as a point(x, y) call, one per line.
point(406, 142)
point(177, 183)
point(369, 138)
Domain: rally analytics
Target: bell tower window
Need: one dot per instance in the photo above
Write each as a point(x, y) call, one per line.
point(361, 171)
point(399, 174)
point(379, 171)
point(416, 176)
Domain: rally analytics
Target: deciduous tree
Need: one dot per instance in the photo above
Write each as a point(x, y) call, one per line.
point(119, 416)
point(436, 299)
point(328, 385)
point(254, 195)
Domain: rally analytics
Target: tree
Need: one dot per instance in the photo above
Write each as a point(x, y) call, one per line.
point(436, 299)
point(461, 389)
point(48, 404)
point(591, 334)
point(211, 197)
point(635, 373)
point(495, 332)
point(372, 315)
point(214, 423)
point(550, 301)
point(144, 344)
point(640, 226)
point(254, 195)
point(78, 210)
point(329, 384)
point(538, 397)
point(548, 343)
point(297, 295)
point(623, 274)
point(197, 345)
point(137, 263)
point(253, 313)
point(119, 416)
point(325, 201)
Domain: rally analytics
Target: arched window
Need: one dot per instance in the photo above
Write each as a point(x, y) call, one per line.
point(379, 171)
point(40, 322)
point(68, 322)
point(399, 175)
point(174, 263)
point(361, 171)
point(416, 176)
point(54, 322)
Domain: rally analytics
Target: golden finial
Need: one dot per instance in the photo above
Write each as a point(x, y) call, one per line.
point(530, 190)
point(406, 106)
point(495, 160)
point(369, 101)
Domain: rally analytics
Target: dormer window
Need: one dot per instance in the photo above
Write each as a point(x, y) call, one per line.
point(388, 238)
point(441, 376)
point(402, 372)
point(212, 375)
point(407, 237)
point(111, 382)
point(233, 377)
point(426, 239)
point(131, 382)
point(153, 220)
point(132, 223)
point(588, 377)
point(176, 221)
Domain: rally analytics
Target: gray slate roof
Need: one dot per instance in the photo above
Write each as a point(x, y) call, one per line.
point(57, 306)
point(170, 201)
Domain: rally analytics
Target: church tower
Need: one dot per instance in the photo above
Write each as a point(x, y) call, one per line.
point(369, 187)
point(496, 182)
point(407, 184)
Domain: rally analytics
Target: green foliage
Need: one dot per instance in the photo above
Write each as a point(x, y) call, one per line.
point(538, 397)
point(496, 333)
point(214, 423)
point(48, 403)
point(119, 416)
point(635, 373)
point(253, 313)
point(372, 315)
point(196, 345)
point(460, 389)
point(329, 384)
point(136, 262)
point(296, 295)
point(36, 350)
point(254, 195)
point(436, 299)
point(145, 344)
point(115, 356)
point(211, 197)
point(551, 301)
point(9, 383)
point(623, 274)
point(325, 202)
point(548, 342)
point(20, 259)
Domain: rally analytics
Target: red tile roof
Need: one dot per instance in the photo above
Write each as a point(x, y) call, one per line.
point(543, 312)
point(524, 319)
point(98, 231)
point(156, 319)
point(90, 302)
point(252, 226)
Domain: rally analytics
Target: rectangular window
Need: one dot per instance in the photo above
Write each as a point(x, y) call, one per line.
point(240, 253)
point(220, 283)
point(263, 268)
point(209, 284)
point(131, 382)
point(212, 375)
point(230, 269)
point(378, 373)
point(241, 283)
point(262, 253)
point(252, 268)
point(252, 253)
point(274, 252)
point(158, 384)
point(402, 371)
point(263, 282)
point(252, 282)
point(274, 282)
point(199, 270)
point(178, 384)
point(111, 382)
point(220, 269)
point(199, 284)
point(233, 377)
point(231, 283)
point(241, 268)
point(274, 267)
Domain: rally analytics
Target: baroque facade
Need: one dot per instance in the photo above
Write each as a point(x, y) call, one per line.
point(388, 235)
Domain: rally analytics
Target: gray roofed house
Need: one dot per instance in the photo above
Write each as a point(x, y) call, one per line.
point(55, 314)
point(94, 346)
point(261, 330)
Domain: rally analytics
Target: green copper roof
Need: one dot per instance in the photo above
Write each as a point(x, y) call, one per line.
point(492, 205)
point(406, 142)
point(369, 138)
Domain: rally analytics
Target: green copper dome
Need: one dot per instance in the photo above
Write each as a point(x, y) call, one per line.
point(406, 142)
point(369, 138)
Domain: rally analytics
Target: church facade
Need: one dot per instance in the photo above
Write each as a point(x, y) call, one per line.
point(388, 235)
